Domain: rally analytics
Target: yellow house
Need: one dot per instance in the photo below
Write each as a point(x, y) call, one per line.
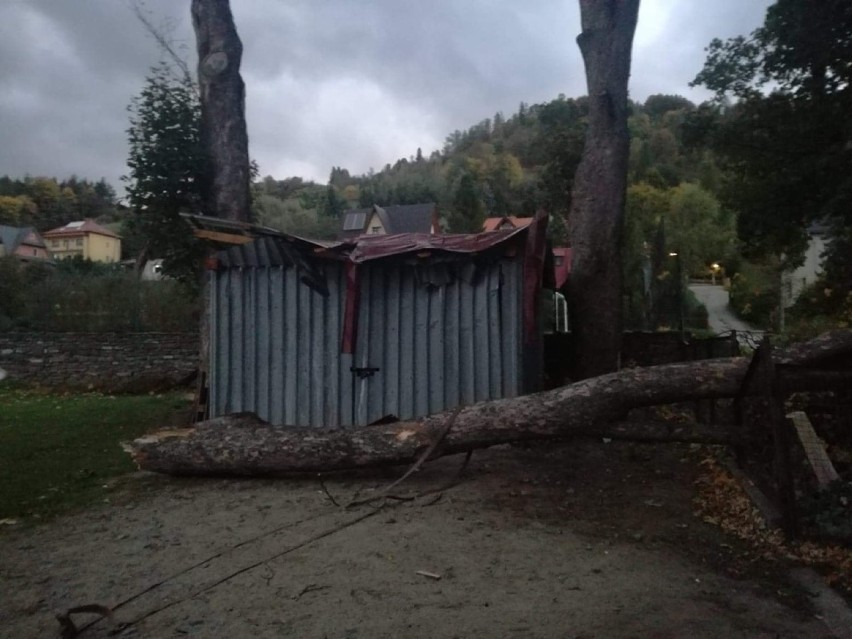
point(87, 239)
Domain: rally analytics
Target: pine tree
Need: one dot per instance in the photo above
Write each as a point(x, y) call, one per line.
point(166, 161)
point(468, 213)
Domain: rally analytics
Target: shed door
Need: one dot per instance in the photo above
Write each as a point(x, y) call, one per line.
point(400, 334)
point(422, 349)
point(368, 368)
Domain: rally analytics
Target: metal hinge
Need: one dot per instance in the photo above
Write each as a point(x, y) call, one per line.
point(363, 372)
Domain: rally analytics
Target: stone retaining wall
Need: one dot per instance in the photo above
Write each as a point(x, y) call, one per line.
point(100, 361)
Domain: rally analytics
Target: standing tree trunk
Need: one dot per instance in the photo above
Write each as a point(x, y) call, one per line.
point(227, 174)
point(223, 122)
point(596, 218)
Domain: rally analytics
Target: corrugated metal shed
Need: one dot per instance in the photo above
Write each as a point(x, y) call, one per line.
point(430, 329)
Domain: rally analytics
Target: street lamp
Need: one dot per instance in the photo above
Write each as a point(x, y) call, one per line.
point(714, 268)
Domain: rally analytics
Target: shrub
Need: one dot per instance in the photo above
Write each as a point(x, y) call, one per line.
point(74, 298)
point(754, 294)
point(694, 312)
point(826, 511)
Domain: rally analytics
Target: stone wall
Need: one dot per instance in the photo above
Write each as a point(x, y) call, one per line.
point(113, 362)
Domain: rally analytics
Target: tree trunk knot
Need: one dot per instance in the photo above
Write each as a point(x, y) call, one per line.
point(215, 63)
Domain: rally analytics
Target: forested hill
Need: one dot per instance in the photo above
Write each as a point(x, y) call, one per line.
point(526, 161)
point(46, 203)
point(511, 165)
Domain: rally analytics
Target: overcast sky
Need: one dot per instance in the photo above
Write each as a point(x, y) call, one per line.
point(351, 83)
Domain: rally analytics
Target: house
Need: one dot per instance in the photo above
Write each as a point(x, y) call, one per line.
point(391, 220)
point(25, 243)
point(794, 281)
point(85, 239)
point(348, 333)
point(505, 222)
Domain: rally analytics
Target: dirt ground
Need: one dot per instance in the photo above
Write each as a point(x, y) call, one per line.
point(569, 540)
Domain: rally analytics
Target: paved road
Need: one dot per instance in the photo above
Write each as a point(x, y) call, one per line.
point(719, 316)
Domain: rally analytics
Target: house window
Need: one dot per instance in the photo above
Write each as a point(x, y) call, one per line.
point(354, 221)
point(79, 241)
point(65, 244)
point(54, 243)
point(376, 230)
point(559, 260)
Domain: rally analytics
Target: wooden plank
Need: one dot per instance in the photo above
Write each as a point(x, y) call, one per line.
point(739, 409)
point(222, 238)
point(782, 465)
point(814, 449)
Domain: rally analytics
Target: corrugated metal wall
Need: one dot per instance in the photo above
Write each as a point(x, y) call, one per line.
point(275, 343)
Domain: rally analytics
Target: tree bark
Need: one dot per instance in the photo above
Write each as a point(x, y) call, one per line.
point(223, 123)
point(596, 217)
point(245, 445)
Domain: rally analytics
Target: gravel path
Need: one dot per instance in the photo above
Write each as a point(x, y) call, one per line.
point(565, 541)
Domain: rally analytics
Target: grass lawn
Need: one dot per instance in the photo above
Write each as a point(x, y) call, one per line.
point(58, 452)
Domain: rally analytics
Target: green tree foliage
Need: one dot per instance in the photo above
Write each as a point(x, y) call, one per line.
point(166, 161)
point(755, 293)
point(662, 153)
point(687, 220)
point(80, 295)
point(656, 106)
point(562, 137)
point(468, 213)
point(518, 164)
point(46, 202)
point(289, 216)
point(788, 152)
point(699, 229)
point(644, 267)
point(296, 206)
point(17, 210)
point(333, 204)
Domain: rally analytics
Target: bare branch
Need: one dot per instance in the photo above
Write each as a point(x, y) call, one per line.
point(161, 35)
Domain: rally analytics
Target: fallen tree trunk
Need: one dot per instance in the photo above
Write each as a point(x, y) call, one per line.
point(245, 445)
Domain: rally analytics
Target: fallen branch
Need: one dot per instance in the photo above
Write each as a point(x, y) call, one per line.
point(243, 444)
point(424, 456)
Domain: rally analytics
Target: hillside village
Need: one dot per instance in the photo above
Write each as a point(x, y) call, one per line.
point(584, 370)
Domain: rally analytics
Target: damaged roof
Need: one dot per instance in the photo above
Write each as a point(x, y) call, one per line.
point(283, 250)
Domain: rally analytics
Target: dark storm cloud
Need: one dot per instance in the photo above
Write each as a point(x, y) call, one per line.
point(329, 82)
point(67, 72)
